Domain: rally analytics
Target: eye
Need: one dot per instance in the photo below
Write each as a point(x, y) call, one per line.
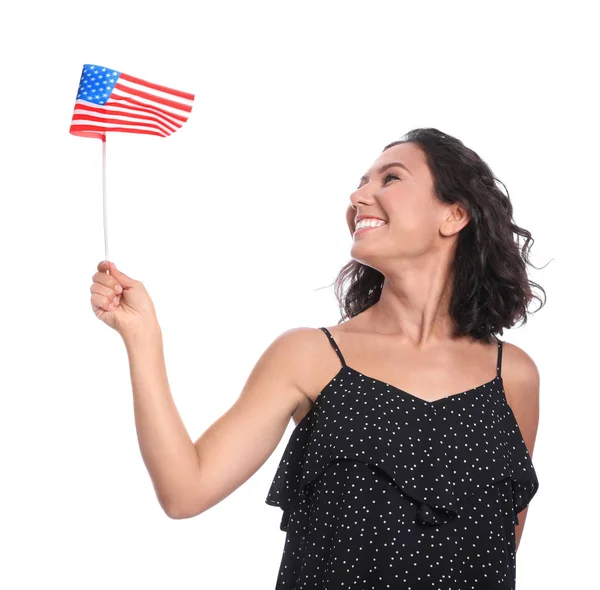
point(361, 184)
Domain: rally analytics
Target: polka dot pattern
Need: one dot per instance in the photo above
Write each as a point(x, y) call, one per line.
point(382, 489)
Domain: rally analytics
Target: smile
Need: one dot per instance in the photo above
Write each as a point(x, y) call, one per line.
point(363, 230)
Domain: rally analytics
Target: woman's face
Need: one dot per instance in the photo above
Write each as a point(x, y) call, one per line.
point(417, 222)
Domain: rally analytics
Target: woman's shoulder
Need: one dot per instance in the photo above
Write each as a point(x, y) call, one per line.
point(307, 355)
point(304, 346)
point(518, 367)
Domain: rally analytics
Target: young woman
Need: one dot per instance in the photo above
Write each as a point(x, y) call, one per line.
point(410, 465)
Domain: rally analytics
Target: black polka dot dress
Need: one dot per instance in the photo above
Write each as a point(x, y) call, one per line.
point(381, 489)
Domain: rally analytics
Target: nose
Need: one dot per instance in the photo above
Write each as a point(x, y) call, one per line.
point(360, 197)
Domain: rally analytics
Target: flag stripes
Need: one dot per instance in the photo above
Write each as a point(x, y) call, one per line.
point(109, 101)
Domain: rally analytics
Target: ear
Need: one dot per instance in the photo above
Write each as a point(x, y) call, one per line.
point(455, 217)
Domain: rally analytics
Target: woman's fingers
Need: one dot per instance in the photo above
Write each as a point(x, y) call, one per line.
point(109, 280)
point(106, 294)
point(104, 302)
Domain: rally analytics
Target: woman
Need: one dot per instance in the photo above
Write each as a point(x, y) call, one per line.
point(410, 463)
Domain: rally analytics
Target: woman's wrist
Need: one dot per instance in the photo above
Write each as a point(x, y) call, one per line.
point(147, 333)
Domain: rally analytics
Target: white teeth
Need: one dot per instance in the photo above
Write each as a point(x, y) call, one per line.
point(369, 222)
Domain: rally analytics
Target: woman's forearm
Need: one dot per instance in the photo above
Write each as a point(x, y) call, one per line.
point(167, 450)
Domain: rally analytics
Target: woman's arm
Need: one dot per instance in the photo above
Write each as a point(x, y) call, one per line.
point(522, 388)
point(189, 477)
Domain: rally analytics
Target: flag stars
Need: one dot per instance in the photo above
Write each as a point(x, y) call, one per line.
point(97, 84)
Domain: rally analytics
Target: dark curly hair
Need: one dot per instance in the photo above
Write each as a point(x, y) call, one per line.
point(491, 289)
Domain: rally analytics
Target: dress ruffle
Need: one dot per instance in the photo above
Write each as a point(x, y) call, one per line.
point(421, 464)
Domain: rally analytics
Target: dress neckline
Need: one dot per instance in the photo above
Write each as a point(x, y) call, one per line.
point(420, 399)
point(395, 390)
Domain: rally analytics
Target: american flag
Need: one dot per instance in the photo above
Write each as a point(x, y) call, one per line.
point(108, 100)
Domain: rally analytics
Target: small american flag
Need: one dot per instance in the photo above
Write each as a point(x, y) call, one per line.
point(108, 100)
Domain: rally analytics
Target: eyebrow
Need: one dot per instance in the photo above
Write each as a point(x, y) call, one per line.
point(383, 168)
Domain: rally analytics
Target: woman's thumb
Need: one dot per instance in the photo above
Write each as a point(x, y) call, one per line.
point(123, 279)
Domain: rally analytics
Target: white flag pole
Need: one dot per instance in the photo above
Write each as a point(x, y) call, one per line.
point(104, 198)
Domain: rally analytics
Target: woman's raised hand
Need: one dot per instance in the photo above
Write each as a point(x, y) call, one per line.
point(120, 301)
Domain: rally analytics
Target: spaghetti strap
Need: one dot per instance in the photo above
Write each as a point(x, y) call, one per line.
point(499, 361)
point(334, 345)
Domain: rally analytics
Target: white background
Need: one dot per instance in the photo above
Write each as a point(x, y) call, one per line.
point(235, 222)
